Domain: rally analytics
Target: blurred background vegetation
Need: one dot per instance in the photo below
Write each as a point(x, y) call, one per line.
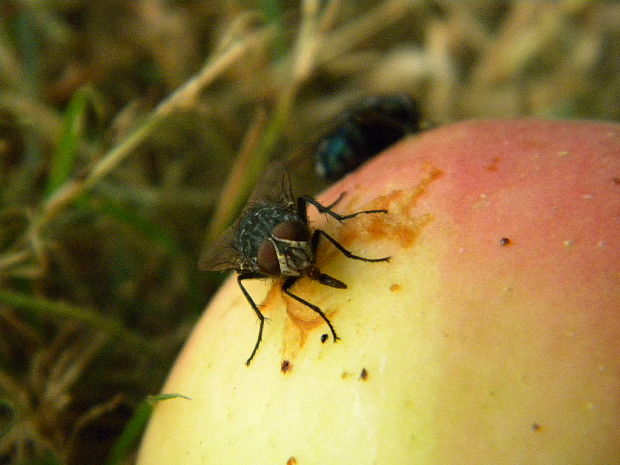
point(131, 132)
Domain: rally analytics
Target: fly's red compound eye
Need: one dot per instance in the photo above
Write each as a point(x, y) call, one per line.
point(267, 259)
point(291, 230)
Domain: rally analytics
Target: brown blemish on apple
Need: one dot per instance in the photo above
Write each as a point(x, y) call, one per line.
point(494, 165)
point(302, 320)
point(399, 224)
point(273, 297)
point(395, 287)
point(291, 461)
point(300, 323)
point(286, 366)
point(364, 374)
point(536, 427)
point(505, 242)
point(304, 317)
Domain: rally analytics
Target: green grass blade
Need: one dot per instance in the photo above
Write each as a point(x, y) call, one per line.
point(111, 326)
point(153, 232)
point(65, 156)
point(134, 428)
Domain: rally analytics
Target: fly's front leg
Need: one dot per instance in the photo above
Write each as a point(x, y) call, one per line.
point(304, 200)
point(285, 288)
point(335, 202)
point(319, 232)
point(302, 205)
point(261, 317)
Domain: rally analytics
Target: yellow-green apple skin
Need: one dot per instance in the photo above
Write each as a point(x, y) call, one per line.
point(492, 336)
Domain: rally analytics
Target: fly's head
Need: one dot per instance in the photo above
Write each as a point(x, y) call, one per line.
point(287, 251)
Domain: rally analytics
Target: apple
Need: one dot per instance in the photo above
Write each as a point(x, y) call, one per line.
point(492, 336)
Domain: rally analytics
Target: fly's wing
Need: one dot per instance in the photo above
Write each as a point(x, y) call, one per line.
point(273, 186)
point(221, 255)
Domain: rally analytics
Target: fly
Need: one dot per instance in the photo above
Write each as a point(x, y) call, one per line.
point(272, 238)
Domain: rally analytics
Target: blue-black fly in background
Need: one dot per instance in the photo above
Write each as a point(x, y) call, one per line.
point(363, 131)
point(272, 238)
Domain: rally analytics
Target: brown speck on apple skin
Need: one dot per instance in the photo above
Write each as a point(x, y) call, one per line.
point(493, 166)
point(286, 366)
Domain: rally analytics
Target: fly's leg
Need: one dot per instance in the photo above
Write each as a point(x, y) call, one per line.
point(335, 202)
point(315, 242)
point(261, 317)
point(304, 200)
point(285, 287)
